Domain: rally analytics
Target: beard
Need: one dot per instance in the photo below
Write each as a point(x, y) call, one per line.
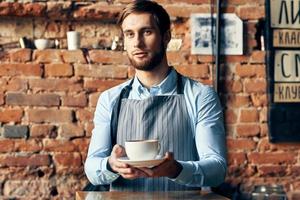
point(150, 63)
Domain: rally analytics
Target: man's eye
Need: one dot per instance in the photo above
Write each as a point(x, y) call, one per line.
point(129, 35)
point(147, 32)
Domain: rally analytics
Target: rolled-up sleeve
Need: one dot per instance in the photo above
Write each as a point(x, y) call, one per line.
point(210, 169)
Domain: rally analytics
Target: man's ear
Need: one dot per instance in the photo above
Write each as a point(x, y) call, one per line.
point(167, 38)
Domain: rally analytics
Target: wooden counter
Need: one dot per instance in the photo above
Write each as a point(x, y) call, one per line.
point(189, 195)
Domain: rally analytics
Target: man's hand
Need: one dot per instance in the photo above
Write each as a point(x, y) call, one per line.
point(169, 168)
point(123, 169)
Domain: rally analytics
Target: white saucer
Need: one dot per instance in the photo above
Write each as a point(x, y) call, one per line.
point(142, 163)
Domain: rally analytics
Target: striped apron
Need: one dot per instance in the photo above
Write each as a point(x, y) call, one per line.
point(158, 117)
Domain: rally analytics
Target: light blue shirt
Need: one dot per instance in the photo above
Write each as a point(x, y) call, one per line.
point(206, 118)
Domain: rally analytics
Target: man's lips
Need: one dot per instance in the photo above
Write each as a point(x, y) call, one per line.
point(140, 54)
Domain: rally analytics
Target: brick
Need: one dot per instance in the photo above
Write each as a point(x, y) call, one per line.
point(259, 100)
point(241, 144)
point(230, 116)
point(58, 70)
point(255, 85)
point(258, 57)
point(76, 56)
point(271, 170)
point(4, 55)
point(21, 9)
point(272, 158)
point(34, 9)
point(67, 159)
point(109, 57)
point(251, 12)
point(243, 2)
point(100, 11)
point(194, 71)
point(235, 158)
point(236, 101)
point(51, 145)
point(47, 56)
point(88, 129)
point(3, 83)
point(84, 115)
point(11, 115)
point(232, 86)
point(67, 188)
point(24, 161)
point(17, 84)
point(58, 10)
point(6, 145)
point(48, 115)
point(20, 69)
point(27, 189)
point(82, 144)
point(204, 58)
point(32, 99)
point(247, 130)
point(180, 10)
point(54, 29)
point(177, 58)
point(251, 70)
point(20, 55)
point(1, 99)
point(249, 115)
point(70, 131)
point(242, 171)
point(28, 145)
point(101, 85)
point(263, 115)
point(265, 145)
point(15, 131)
point(101, 71)
point(191, 1)
point(264, 130)
point(78, 100)
point(295, 170)
point(237, 59)
point(42, 131)
point(83, 155)
point(67, 85)
point(93, 99)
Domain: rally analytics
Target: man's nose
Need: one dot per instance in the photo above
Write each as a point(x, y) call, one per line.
point(138, 41)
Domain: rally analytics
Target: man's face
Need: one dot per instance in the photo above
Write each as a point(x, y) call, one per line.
point(143, 41)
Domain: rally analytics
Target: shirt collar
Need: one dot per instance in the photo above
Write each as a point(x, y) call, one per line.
point(165, 86)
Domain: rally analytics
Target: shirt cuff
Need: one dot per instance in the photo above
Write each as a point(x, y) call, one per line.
point(109, 174)
point(186, 175)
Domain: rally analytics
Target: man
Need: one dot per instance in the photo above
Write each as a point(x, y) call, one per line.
point(158, 103)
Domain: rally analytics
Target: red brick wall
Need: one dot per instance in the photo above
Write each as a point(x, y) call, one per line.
point(48, 97)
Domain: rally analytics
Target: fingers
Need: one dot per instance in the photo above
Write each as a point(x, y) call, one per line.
point(169, 155)
point(118, 151)
point(121, 168)
point(134, 173)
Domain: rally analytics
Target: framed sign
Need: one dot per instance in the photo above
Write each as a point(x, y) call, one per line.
point(203, 34)
point(283, 64)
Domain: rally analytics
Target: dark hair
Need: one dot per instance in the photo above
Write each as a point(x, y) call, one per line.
point(160, 15)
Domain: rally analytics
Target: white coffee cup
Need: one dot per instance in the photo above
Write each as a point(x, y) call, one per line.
point(142, 149)
point(73, 39)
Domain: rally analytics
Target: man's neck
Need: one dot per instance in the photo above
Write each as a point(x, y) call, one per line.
point(153, 77)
